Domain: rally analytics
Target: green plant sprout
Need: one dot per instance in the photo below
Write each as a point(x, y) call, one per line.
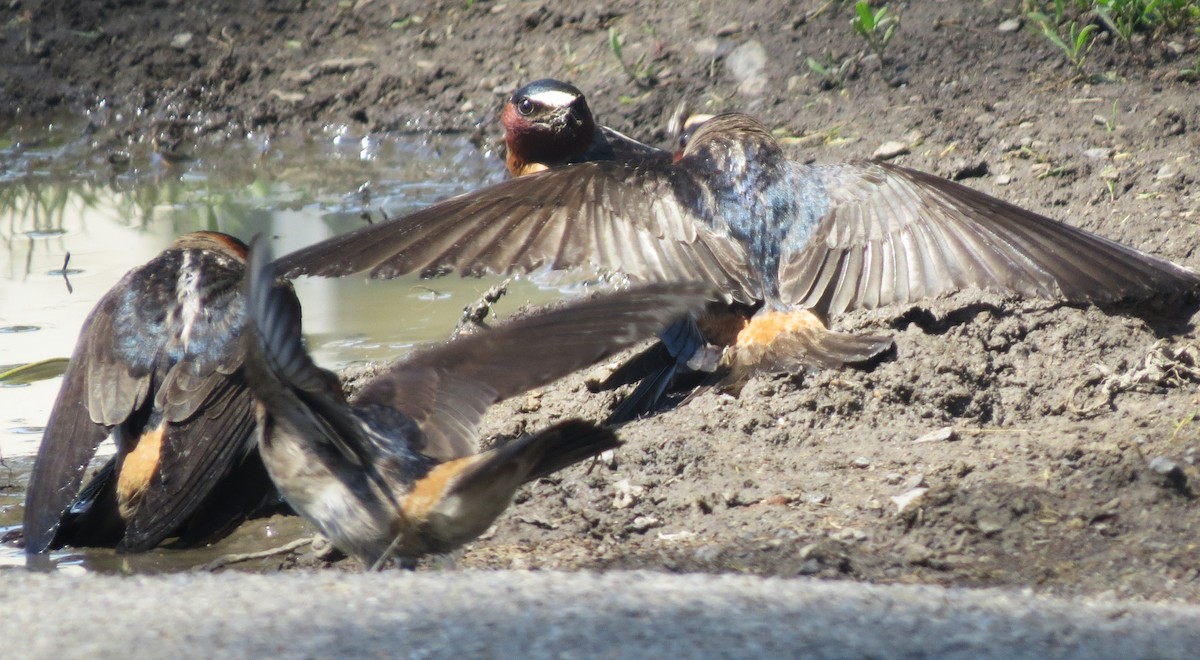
point(1074, 42)
point(641, 72)
point(876, 27)
point(1122, 18)
point(832, 73)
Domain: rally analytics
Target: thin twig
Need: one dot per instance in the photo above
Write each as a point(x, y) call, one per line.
point(226, 560)
point(66, 278)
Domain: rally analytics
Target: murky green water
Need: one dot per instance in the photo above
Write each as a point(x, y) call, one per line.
point(114, 209)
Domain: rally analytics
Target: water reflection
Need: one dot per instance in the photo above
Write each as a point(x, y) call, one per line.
point(112, 210)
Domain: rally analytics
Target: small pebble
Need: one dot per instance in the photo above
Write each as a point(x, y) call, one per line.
point(810, 567)
point(861, 462)
point(729, 29)
point(1167, 171)
point(1172, 471)
point(890, 150)
point(944, 434)
point(915, 553)
point(643, 524)
point(747, 64)
point(710, 48)
point(181, 40)
point(989, 526)
point(286, 97)
point(848, 534)
point(905, 500)
point(817, 498)
point(917, 481)
point(1010, 25)
point(626, 495)
point(969, 170)
point(707, 554)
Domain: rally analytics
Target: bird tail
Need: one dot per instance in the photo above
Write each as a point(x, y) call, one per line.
point(656, 371)
point(537, 455)
point(797, 340)
point(568, 443)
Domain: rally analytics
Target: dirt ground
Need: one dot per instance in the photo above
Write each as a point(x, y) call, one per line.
point(1007, 443)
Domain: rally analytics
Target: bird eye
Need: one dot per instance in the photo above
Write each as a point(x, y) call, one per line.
point(525, 106)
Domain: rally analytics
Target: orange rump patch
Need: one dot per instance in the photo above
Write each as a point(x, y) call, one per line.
point(428, 490)
point(766, 326)
point(138, 467)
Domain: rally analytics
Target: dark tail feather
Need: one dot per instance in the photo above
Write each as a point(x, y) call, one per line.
point(246, 493)
point(568, 443)
point(637, 368)
point(656, 370)
point(647, 396)
point(92, 519)
point(534, 456)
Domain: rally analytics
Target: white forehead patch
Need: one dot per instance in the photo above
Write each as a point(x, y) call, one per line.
point(553, 99)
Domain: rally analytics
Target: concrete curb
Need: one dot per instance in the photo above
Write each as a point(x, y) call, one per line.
point(547, 614)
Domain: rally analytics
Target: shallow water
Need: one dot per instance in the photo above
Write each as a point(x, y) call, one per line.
point(111, 210)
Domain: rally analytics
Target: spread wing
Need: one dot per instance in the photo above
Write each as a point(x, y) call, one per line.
point(71, 437)
point(446, 390)
point(894, 235)
point(607, 216)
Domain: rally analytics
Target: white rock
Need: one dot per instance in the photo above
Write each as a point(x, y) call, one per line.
point(905, 500)
point(1010, 25)
point(747, 61)
point(944, 434)
point(889, 150)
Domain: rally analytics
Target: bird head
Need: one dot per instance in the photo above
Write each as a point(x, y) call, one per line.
point(546, 123)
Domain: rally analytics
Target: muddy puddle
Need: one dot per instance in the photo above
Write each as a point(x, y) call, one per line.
point(113, 209)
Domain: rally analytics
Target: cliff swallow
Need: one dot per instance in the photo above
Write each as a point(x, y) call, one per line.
point(548, 123)
point(789, 244)
point(157, 369)
point(398, 472)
